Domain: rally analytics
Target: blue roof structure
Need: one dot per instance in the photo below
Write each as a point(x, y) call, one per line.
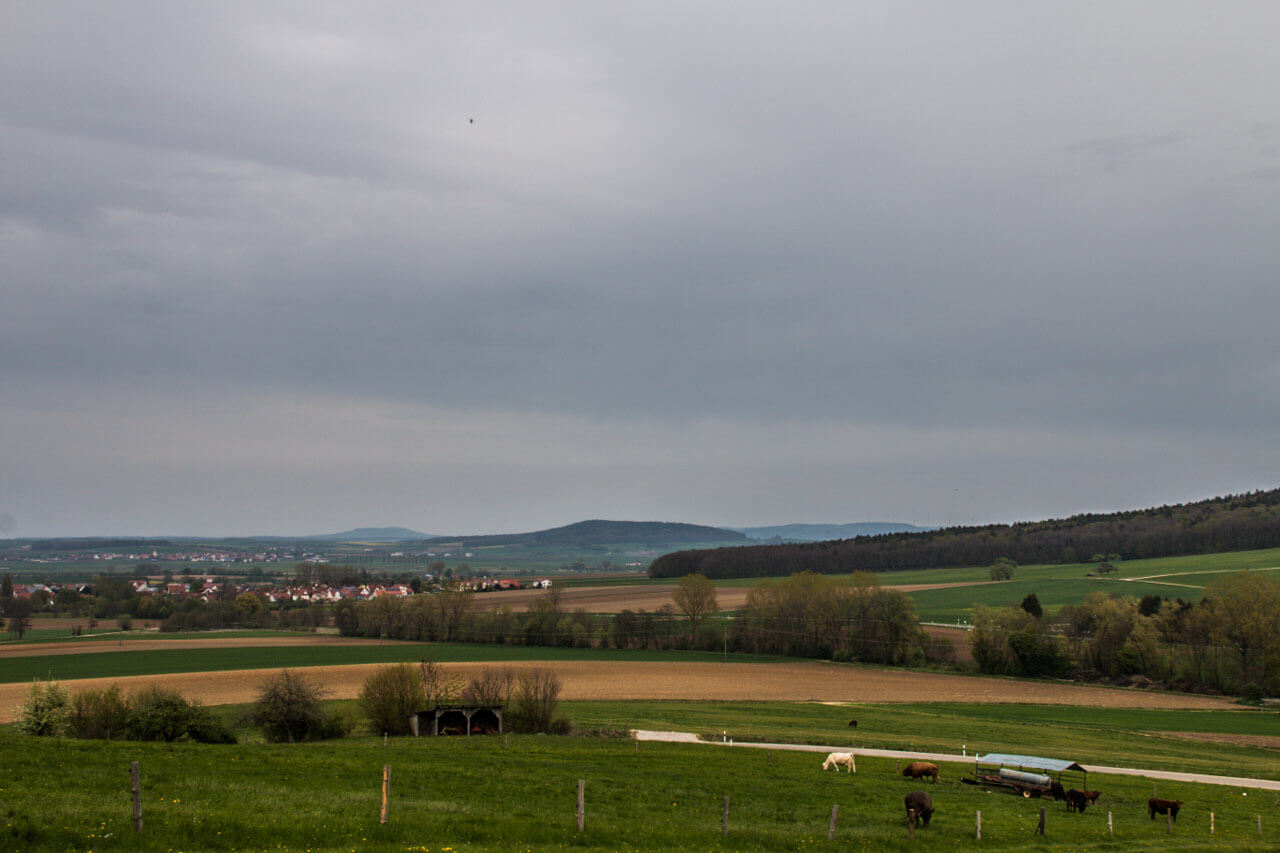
point(1055, 764)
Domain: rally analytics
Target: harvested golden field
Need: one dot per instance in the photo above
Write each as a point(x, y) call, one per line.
point(786, 682)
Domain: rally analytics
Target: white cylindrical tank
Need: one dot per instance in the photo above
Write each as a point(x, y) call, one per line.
point(1037, 779)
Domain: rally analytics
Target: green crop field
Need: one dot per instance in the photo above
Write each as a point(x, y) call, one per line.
point(160, 661)
point(112, 634)
point(50, 635)
point(518, 793)
point(1056, 585)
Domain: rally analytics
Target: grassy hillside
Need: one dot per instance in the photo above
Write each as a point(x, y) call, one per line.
point(519, 794)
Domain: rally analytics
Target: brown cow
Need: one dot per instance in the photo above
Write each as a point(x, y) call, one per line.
point(921, 804)
point(1157, 806)
point(1091, 797)
point(917, 769)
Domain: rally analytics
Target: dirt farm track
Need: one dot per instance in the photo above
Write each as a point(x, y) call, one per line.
point(620, 680)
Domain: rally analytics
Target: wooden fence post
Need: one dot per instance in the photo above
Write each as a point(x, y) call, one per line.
point(1259, 824)
point(582, 803)
point(386, 793)
point(979, 826)
point(831, 830)
point(1040, 826)
point(1168, 820)
point(724, 816)
point(135, 786)
point(1110, 829)
point(1211, 823)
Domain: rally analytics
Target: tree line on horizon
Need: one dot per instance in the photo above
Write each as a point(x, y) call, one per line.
point(1232, 523)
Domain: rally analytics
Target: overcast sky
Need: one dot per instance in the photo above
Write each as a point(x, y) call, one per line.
point(291, 268)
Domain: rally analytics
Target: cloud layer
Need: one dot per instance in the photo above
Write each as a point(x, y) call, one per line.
point(287, 268)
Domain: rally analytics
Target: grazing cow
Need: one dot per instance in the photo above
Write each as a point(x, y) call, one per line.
point(853, 724)
point(838, 760)
point(1076, 801)
point(921, 804)
point(1157, 806)
point(917, 769)
point(1091, 797)
point(1056, 789)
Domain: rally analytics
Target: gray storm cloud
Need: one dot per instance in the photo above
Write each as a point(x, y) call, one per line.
point(768, 265)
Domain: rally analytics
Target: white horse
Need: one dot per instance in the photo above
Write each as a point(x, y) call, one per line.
point(838, 760)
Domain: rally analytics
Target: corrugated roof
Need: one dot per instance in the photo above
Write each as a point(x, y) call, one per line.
point(1004, 759)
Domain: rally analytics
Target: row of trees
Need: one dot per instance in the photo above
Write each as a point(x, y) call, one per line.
point(290, 707)
point(1230, 641)
point(806, 615)
point(1233, 523)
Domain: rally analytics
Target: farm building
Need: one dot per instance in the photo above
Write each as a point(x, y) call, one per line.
point(457, 720)
point(1028, 775)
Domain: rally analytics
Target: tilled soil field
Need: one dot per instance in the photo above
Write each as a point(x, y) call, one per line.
point(615, 599)
point(614, 680)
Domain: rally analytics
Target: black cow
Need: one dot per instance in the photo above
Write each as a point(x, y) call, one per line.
point(1076, 801)
point(1056, 789)
point(921, 804)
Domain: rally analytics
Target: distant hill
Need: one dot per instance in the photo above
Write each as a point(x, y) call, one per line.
point(372, 534)
point(657, 533)
point(823, 532)
point(1232, 523)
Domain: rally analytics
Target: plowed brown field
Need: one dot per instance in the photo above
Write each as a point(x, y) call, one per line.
point(614, 599)
point(788, 682)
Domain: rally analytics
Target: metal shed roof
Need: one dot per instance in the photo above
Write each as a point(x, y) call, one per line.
point(1055, 764)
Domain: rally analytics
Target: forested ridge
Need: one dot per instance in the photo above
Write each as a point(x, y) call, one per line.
point(1231, 523)
point(598, 532)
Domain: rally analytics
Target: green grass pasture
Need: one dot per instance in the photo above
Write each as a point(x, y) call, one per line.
point(1104, 736)
point(519, 794)
point(1056, 585)
point(951, 605)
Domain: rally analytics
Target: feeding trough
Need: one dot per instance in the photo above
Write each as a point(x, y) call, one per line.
point(1028, 775)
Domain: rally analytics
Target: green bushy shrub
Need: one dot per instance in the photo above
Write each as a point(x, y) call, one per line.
point(389, 696)
point(158, 714)
point(288, 709)
point(44, 712)
point(99, 714)
point(534, 703)
point(207, 727)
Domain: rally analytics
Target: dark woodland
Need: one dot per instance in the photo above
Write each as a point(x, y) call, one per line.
point(1232, 523)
